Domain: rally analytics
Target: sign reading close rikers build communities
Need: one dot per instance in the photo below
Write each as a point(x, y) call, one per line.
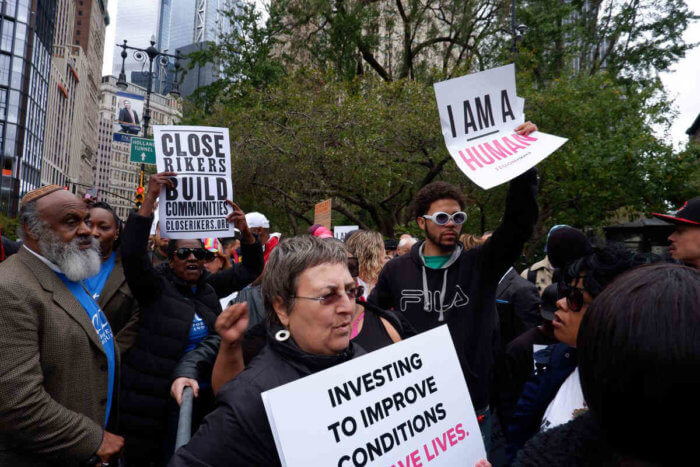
point(196, 206)
point(478, 114)
point(404, 405)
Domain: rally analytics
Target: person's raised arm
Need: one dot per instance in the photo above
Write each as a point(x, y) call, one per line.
point(231, 326)
point(241, 274)
point(142, 278)
point(503, 248)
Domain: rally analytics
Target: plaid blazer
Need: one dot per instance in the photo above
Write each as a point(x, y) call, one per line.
point(53, 369)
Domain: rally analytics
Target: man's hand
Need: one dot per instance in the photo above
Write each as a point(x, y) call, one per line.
point(156, 182)
point(526, 128)
point(232, 324)
point(111, 446)
point(237, 218)
point(179, 385)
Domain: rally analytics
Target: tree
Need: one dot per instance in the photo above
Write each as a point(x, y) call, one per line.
point(325, 126)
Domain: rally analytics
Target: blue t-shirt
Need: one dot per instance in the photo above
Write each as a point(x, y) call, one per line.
point(96, 283)
point(198, 331)
point(104, 331)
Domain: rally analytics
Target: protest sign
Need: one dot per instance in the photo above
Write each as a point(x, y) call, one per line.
point(404, 405)
point(478, 114)
point(196, 206)
point(342, 231)
point(322, 213)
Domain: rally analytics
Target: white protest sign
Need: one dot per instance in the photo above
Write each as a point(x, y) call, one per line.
point(196, 207)
point(478, 114)
point(404, 405)
point(342, 231)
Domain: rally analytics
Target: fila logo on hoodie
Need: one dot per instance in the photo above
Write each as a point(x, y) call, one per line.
point(410, 296)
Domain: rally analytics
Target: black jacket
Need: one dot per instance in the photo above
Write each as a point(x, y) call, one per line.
point(237, 432)
point(463, 293)
point(167, 307)
point(578, 443)
point(538, 392)
point(518, 304)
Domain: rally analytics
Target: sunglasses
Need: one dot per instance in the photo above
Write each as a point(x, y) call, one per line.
point(442, 218)
point(573, 295)
point(333, 297)
point(199, 253)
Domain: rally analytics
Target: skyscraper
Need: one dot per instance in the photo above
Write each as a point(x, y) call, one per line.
point(175, 24)
point(26, 40)
point(137, 21)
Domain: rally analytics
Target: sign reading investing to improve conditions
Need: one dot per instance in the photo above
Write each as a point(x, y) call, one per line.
point(195, 207)
point(404, 405)
point(478, 114)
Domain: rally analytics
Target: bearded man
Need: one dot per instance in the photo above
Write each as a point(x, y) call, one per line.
point(59, 364)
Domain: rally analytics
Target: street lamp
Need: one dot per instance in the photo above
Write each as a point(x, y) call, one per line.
point(517, 31)
point(140, 55)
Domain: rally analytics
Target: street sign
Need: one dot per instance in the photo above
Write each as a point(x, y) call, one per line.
point(142, 151)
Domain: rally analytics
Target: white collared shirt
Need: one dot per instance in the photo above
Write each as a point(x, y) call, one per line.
point(51, 266)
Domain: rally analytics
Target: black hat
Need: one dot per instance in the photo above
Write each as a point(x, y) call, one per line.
point(567, 244)
point(549, 302)
point(689, 214)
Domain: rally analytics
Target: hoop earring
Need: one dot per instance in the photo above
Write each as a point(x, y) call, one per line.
point(282, 335)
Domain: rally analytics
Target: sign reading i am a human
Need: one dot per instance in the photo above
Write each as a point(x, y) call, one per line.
point(478, 115)
point(195, 207)
point(404, 405)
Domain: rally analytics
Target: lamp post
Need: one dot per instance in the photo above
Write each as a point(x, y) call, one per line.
point(516, 30)
point(141, 55)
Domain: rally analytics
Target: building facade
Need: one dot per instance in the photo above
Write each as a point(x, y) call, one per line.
point(116, 177)
point(73, 98)
point(26, 42)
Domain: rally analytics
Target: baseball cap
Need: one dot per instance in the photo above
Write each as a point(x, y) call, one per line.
point(689, 214)
point(256, 219)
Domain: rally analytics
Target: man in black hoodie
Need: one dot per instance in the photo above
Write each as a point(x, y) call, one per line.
point(440, 283)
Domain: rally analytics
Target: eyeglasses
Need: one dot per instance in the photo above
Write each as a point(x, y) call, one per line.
point(331, 298)
point(199, 253)
point(442, 218)
point(573, 295)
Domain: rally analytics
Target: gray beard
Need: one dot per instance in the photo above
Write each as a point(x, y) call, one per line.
point(75, 263)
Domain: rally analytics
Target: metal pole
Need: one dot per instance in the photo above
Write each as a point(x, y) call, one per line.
point(514, 47)
point(184, 423)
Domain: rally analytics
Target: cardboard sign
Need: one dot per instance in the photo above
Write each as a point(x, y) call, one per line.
point(404, 405)
point(322, 213)
point(478, 114)
point(196, 207)
point(342, 231)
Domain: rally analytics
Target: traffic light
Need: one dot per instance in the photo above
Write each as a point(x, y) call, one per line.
point(139, 197)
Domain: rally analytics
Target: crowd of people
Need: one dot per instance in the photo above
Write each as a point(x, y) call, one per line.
point(590, 356)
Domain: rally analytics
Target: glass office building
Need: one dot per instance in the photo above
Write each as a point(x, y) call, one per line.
point(26, 41)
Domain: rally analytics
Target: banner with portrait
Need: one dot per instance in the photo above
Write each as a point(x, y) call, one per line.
point(128, 117)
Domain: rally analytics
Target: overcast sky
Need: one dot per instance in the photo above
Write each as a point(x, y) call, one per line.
point(682, 84)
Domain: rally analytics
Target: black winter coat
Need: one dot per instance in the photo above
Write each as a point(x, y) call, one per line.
point(237, 432)
point(578, 443)
point(463, 293)
point(167, 306)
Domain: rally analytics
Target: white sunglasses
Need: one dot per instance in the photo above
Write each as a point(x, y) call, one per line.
point(442, 218)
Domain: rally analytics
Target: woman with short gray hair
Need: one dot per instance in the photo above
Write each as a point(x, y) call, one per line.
point(309, 298)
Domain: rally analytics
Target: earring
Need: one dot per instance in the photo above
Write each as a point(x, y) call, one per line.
point(282, 335)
